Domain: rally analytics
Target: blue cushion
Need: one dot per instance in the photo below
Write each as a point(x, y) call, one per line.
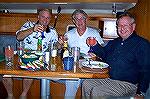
point(6, 40)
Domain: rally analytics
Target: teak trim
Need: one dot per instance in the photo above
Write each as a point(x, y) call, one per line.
point(68, 1)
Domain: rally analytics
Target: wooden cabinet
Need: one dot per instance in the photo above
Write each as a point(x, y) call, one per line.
point(11, 22)
point(142, 13)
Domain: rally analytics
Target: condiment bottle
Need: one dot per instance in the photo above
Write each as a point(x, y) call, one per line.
point(47, 57)
point(65, 49)
point(54, 57)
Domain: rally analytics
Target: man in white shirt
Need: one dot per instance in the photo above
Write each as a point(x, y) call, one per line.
point(77, 37)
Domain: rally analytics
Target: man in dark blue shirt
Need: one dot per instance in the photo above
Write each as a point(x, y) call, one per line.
point(128, 58)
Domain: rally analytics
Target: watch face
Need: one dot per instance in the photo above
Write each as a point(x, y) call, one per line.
point(141, 94)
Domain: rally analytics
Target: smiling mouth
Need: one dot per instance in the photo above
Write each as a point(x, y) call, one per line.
point(44, 23)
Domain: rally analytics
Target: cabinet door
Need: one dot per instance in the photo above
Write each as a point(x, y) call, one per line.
point(109, 30)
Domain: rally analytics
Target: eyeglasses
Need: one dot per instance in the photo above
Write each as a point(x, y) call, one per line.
point(124, 26)
point(43, 17)
point(81, 18)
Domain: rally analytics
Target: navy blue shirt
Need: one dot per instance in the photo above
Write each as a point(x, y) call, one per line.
point(129, 60)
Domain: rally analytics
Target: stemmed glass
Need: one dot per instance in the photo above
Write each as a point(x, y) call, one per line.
point(91, 41)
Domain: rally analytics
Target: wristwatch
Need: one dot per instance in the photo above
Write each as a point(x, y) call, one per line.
point(141, 94)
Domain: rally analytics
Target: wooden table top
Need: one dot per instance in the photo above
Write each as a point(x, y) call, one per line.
point(59, 73)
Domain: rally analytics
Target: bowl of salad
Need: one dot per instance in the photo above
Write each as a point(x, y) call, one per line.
point(26, 58)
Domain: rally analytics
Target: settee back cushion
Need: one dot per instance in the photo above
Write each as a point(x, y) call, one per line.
point(6, 40)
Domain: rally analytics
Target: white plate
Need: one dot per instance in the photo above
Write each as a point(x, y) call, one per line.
point(95, 64)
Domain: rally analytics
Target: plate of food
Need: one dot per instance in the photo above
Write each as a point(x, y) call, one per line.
point(26, 58)
point(94, 67)
point(94, 64)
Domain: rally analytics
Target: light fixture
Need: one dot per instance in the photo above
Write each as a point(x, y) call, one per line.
point(114, 10)
point(60, 3)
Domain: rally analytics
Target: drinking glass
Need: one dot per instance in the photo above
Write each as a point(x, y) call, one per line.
point(91, 41)
point(75, 52)
point(68, 63)
point(9, 57)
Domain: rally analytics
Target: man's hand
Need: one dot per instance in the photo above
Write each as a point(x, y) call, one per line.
point(92, 55)
point(138, 97)
point(39, 28)
point(61, 39)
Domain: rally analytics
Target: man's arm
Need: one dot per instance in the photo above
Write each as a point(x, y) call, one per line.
point(21, 35)
point(36, 28)
point(142, 58)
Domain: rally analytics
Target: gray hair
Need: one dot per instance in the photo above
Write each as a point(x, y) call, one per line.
point(77, 11)
point(126, 14)
point(45, 9)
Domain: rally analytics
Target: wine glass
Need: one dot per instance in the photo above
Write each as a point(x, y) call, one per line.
point(9, 51)
point(91, 41)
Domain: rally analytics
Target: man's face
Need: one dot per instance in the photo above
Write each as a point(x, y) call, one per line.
point(125, 27)
point(44, 18)
point(80, 20)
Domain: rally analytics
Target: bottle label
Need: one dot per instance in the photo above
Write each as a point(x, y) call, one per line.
point(39, 45)
point(66, 53)
point(65, 44)
point(46, 57)
point(53, 67)
point(54, 53)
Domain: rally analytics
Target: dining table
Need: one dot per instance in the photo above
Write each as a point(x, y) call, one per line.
point(46, 76)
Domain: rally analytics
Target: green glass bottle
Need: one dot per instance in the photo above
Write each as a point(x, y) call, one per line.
point(39, 44)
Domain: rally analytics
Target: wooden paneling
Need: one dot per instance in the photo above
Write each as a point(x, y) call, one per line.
point(142, 14)
point(10, 22)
